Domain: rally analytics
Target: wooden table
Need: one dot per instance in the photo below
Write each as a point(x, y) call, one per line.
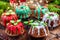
point(26, 37)
point(3, 35)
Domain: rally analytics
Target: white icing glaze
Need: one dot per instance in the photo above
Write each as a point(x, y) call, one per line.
point(39, 28)
point(32, 30)
point(54, 18)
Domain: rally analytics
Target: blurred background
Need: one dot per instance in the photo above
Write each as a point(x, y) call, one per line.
point(55, 4)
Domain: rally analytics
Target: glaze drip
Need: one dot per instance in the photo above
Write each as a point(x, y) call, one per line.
point(50, 18)
point(39, 26)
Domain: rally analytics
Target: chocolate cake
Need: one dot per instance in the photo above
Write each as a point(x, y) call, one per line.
point(38, 30)
point(52, 19)
point(37, 10)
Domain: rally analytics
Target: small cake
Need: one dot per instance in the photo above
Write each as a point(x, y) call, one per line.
point(32, 6)
point(52, 19)
point(37, 10)
point(38, 29)
point(23, 11)
point(6, 17)
point(15, 28)
point(40, 11)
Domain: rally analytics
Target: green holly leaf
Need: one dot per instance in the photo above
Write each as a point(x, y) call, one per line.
point(18, 21)
point(56, 14)
point(50, 17)
point(33, 27)
point(7, 13)
point(26, 22)
point(10, 11)
point(12, 21)
point(31, 21)
point(35, 24)
point(41, 23)
point(45, 24)
point(15, 23)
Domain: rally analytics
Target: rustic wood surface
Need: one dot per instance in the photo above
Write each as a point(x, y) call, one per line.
point(25, 37)
point(54, 36)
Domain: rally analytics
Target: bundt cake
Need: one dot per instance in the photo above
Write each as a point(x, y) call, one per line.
point(15, 28)
point(38, 29)
point(52, 19)
point(23, 11)
point(6, 17)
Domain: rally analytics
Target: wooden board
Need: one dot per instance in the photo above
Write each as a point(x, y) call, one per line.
point(26, 37)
